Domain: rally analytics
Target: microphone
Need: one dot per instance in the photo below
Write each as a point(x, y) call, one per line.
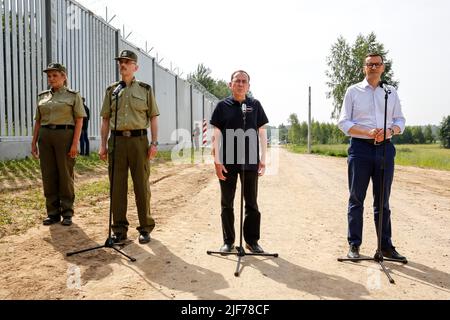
point(119, 88)
point(384, 86)
point(244, 108)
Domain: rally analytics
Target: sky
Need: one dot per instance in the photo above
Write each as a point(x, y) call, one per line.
point(284, 44)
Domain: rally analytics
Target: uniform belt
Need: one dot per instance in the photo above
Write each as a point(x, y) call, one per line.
point(372, 141)
point(130, 133)
point(59, 127)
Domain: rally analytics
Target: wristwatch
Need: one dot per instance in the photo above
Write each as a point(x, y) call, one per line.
point(155, 143)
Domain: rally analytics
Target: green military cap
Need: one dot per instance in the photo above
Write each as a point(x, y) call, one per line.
point(127, 54)
point(54, 66)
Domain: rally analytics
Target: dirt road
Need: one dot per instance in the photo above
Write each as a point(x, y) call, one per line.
point(303, 219)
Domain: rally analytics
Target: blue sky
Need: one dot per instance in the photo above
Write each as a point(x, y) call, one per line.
point(284, 44)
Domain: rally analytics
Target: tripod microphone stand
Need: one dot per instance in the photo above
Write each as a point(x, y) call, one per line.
point(110, 242)
point(378, 258)
point(240, 250)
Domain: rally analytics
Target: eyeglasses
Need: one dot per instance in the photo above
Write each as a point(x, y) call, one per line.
point(371, 65)
point(125, 61)
point(241, 81)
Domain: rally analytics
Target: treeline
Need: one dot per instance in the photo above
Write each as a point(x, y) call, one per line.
point(329, 133)
point(202, 75)
point(321, 133)
point(417, 135)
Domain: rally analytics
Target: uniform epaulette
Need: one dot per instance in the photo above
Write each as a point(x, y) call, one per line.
point(72, 91)
point(44, 92)
point(145, 85)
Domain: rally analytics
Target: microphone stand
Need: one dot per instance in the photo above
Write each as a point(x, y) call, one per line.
point(378, 258)
point(110, 242)
point(240, 250)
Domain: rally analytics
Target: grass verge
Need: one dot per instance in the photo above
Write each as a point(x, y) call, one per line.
point(429, 156)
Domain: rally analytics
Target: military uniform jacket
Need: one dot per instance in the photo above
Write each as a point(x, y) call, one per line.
point(62, 107)
point(137, 105)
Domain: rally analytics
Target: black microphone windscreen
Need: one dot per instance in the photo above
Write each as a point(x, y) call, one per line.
point(119, 88)
point(383, 83)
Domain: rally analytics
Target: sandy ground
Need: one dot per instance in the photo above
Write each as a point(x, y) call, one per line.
point(303, 219)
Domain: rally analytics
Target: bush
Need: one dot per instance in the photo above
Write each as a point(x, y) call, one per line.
point(444, 132)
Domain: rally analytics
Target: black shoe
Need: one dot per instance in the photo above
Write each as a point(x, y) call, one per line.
point(51, 220)
point(393, 254)
point(144, 237)
point(254, 248)
point(226, 248)
point(353, 252)
point(67, 221)
point(119, 237)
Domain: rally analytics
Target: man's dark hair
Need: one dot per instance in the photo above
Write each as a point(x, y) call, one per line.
point(240, 71)
point(374, 54)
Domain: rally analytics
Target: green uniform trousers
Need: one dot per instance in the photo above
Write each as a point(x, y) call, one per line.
point(131, 153)
point(57, 171)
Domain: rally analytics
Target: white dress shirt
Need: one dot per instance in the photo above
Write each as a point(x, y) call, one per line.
point(363, 105)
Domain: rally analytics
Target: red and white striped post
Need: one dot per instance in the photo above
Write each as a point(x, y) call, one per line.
point(205, 133)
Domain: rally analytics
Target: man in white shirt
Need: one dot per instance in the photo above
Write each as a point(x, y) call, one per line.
point(362, 118)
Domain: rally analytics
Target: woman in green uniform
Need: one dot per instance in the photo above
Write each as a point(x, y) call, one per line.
point(59, 118)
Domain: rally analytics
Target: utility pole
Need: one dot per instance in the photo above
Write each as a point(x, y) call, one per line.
point(309, 123)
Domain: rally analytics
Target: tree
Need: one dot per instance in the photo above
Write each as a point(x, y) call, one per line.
point(429, 137)
point(346, 63)
point(283, 133)
point(294, 131)
point(304, 132)
point(221, 89)
point(444, 132)
point(202, 75)
point(407, 136)
point(418, 136)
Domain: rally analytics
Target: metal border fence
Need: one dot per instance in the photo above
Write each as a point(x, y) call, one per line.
point(34, 33)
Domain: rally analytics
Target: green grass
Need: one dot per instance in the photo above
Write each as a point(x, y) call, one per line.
point(338, 150)
point(29, 169)
point(19, 169)
point(164, 155)
point(428, 156)
point(24, 205)
point(91, 191)
point(20, 210)
point(423, 156)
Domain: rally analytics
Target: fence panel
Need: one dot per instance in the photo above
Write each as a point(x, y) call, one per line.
point(36, 32)
point(87, 48)
point(166, 99)
point(184, 105)
point(22, 55)
point(2, 76)
point(197, 108)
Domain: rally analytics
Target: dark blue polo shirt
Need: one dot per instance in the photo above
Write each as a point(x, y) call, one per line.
point(228, 117)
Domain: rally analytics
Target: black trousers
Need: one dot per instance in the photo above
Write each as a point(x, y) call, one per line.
point(252, 221)
point(84, 143)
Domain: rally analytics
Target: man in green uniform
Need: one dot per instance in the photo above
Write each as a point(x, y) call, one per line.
point(59, 118)
point(137, 110)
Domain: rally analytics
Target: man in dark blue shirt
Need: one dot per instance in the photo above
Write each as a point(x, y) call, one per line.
point(84, 140)
point(231, 159)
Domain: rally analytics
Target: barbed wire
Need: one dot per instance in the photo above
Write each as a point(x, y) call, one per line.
point(101, 9)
